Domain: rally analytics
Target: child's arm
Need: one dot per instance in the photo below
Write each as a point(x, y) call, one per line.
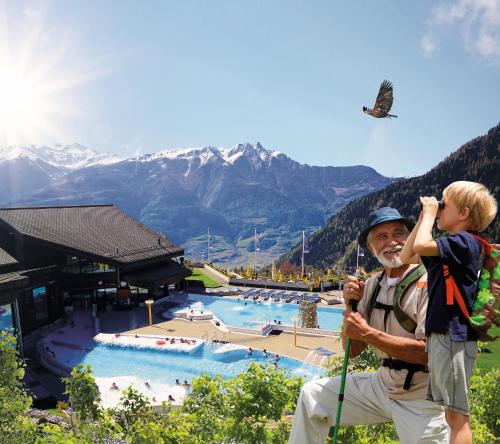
point(408, 255)
point(424, 244)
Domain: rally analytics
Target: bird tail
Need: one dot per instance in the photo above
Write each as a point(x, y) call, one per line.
point(392, 115)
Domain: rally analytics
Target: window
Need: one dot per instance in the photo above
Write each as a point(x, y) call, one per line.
point(6, 322)
point(77, 265)
point(40, 303)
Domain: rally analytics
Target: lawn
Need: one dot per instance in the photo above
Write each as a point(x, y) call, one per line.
point(490, 356)
point(198, 275)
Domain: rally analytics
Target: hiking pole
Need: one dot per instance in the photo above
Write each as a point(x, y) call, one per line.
point(354, 307)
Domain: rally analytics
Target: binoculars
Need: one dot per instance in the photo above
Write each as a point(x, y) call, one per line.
point(441, 205)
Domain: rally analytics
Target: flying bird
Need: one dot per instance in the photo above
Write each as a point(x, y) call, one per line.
point(383, 103)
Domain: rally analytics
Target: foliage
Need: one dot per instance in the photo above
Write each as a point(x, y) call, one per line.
point(254, 407)
point(308, 312)
point(83, 393)
point(15, 424)
point(485, 406)
point(247, 409)
point(133, 404)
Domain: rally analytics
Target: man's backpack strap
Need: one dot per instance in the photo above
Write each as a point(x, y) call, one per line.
point(414, 275)
point(404, 320)
point(373, 297)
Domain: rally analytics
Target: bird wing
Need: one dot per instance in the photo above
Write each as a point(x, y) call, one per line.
point(385, 98)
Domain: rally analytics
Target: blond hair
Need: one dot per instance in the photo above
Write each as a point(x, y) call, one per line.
point(476, 197)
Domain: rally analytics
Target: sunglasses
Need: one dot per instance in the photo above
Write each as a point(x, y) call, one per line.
point(441, 204)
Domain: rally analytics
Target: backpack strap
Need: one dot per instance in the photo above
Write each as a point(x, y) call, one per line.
point(373, 297)
point(488, 248)
point(453, 293)
point(414, 275)
point(404, 320)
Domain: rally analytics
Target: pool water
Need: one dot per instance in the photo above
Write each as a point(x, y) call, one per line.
point(252, 315)
point(167, 366)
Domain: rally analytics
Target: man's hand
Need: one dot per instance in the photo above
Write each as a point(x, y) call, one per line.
point(355, 326)
point(353, 289)
point(430, 206)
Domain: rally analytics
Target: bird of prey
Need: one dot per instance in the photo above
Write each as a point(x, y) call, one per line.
point(383, 103)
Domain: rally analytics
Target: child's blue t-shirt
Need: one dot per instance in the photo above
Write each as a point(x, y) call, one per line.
point(462, 253)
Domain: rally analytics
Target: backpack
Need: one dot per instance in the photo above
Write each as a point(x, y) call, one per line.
point(486, 307)
point(404, 320)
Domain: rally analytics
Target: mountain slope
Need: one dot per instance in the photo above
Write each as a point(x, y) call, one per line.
point(477, 160)
point(232, 191)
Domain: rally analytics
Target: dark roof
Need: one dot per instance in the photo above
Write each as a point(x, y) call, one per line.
point(6, 258)
point(161, 274)
point(99, 230)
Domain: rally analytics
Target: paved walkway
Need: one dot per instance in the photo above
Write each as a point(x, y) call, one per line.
point(282, 344)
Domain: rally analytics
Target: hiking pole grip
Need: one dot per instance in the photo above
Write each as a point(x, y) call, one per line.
point(354, 304)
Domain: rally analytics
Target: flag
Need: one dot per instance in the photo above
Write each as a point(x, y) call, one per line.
point(210, 244)
point(257, 241)
point(305, 244)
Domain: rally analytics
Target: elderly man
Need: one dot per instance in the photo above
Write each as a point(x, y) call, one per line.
point(391, 318)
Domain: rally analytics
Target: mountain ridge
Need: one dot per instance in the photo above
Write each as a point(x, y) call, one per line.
point(231, 190)
point(335, 244)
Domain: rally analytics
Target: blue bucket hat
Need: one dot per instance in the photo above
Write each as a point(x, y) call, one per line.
point(381, 216)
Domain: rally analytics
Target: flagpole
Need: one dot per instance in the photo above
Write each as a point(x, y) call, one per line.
point(255, 251)
point(357, 260)
point(303, 240)
point(208, 246)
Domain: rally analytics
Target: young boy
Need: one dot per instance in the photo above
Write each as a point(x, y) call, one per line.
point(467, 207)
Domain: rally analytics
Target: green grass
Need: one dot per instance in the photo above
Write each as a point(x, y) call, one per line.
point(198, 275)
point(489, 358)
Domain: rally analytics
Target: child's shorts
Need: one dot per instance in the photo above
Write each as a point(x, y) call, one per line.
point(450, 368)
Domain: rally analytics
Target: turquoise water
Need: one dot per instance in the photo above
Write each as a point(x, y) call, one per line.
point(6, 318)
point(236, 313)
point(167, 366)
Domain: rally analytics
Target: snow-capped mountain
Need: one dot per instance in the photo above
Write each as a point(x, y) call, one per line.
point(231, 190)
point(65, 157)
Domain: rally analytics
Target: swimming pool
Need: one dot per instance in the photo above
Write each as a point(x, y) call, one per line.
point(234, 312)
point(108, 361)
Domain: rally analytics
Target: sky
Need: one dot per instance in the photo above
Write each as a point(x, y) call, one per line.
point(135, 77)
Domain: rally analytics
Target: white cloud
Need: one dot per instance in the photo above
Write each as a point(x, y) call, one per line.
point(428, 45)
point(476, 21)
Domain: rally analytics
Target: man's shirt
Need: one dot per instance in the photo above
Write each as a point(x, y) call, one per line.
point(461, 252)
point(414, 304)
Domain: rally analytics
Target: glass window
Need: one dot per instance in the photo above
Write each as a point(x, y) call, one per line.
point(72, 264)
point(40, 302)
point(6, 321)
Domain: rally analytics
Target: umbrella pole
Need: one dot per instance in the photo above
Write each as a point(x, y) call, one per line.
point(354, 305)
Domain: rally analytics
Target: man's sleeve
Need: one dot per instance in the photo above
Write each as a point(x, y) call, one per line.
point(421, 311)
point(363, 303)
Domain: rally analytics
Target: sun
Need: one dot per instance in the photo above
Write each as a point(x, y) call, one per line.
point(40, 72)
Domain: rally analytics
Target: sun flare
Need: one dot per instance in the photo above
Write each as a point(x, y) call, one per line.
point(38, 80)
point(20, 105)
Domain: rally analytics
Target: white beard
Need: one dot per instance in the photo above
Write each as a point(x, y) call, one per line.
point(395, 262)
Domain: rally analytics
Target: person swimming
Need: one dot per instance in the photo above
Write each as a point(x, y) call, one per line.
point(114, 386)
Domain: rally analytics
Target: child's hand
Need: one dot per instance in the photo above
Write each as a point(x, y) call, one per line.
point(430, 205)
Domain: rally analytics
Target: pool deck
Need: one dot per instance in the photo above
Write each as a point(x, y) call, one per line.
point(282, 344)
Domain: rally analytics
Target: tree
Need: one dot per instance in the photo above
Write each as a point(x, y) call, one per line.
point(84, 396)
point(308, 314)
point(15, 423)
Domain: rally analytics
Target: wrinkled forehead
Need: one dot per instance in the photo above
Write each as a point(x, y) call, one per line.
point(388, 228)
